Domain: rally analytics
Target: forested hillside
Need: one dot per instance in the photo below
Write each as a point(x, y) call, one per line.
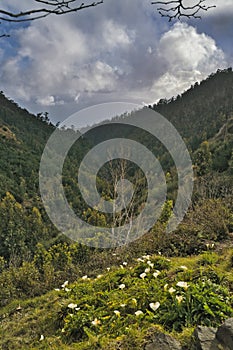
point(35, 258)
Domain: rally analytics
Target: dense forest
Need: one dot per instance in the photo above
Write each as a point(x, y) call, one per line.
point(35, 258)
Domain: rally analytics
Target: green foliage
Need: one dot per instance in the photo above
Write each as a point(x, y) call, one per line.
point(202, 303)
point(209, 258)
point(126, 298)
point(121, 307)
point(116, 309)
point(166, 211)
point(20, 230)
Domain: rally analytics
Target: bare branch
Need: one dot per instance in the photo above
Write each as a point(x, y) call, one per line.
point(4, 35)
point(56, 7)
point(176, 9)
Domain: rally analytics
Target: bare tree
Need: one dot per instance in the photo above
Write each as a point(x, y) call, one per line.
point(177, 9)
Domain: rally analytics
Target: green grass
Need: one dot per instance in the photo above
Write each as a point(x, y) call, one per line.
point(111, 301)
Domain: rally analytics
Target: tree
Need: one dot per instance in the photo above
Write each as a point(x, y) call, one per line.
point(177, 9)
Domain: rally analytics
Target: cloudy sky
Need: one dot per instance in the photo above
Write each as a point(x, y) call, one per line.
point(121, 50)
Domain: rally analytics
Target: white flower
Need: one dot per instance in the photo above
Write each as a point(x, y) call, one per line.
point(135, 301)
point(125, 263)
point(179, 298)
point(99, 276)
point(156, 273)
point(67, 290)
point(154, 306)
point(138, 313)
point(72, 306)
point(140, 260)
point(122, 286)
point(65, 284)
point(147, 270)
point(77, 308)
point(182, 284)
point(117, 312)
point(41, 337)
point(123, 305)
point(183, 267)
point(150, 264)
point(165, 287)
point(57, 289)
point(108, 268)
point(147, 257)
point(96, 322)
point(143, 275)
point(84, 277)
point(171, 290)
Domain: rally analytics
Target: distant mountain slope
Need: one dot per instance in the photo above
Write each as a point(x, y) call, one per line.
point(203, 116)
point(199, 113)
point(22, 139)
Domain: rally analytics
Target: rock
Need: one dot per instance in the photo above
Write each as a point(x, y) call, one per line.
point(160, 341)
point(205, 339)
point(225, 334)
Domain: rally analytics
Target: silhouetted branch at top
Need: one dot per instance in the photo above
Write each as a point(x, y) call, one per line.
point(4, 35)
point(46, 8)
point(176, 9)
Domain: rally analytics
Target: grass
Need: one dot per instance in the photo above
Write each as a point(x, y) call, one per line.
point(46, 322)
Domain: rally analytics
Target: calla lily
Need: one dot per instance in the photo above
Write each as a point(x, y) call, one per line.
point(154, 306)
point(96, 322)
point(122, 286)
point(65, 284)
point(138, 313)
point(72, 306)
point(179, 298)
point(156, 273)
point(117, 312)
point(171, 290)
point(182, 284)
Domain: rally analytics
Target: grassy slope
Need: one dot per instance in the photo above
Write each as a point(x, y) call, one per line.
point(23, 322)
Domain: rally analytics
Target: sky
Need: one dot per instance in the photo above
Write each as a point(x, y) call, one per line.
point(119, 51)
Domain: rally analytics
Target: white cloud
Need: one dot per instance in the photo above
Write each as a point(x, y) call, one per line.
point(116, 35)
point(121, 49)
point(188, 57)
point(62, 61)
point(46, 101)
point(97, 77)
point(221, 6)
